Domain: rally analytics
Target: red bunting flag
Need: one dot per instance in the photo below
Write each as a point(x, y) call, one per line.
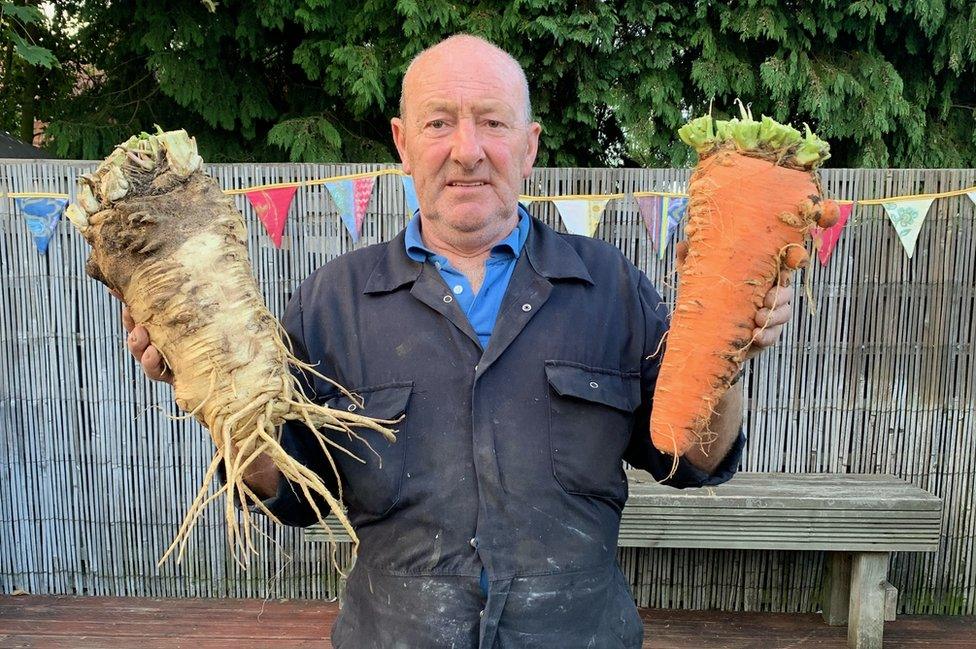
point(271, 206)
point(830, 236)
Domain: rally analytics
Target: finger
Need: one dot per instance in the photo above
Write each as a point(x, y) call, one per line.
point(785, 276)
point(773, 317)
point(778, 295)
point(763, 338)
point(137, 341)
point(154, 366)
point(127, 320)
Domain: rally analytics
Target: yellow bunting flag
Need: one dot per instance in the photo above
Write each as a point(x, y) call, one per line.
point(907, 217)
point(581, 216)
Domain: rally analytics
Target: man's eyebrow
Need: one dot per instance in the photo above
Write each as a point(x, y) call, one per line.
point(486, 106)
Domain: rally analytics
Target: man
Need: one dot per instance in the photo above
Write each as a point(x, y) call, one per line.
point(523, 360)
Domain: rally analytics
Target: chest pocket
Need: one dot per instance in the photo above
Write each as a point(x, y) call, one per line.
point(372, 486)
point(591, 413)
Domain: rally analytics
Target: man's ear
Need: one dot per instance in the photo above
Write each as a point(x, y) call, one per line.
point(400, 141)
point(532, 148)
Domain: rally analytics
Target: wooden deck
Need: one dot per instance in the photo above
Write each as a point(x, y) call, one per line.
point(110, 623)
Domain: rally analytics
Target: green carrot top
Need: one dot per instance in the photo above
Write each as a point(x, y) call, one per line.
point(766, 138)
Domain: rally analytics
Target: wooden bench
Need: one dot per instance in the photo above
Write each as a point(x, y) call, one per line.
point(859, 519)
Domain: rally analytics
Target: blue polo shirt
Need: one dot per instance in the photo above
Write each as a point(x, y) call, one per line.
point(481, 308)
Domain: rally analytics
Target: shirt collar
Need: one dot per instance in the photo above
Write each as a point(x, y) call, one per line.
point(548, 252)
point(509, 246)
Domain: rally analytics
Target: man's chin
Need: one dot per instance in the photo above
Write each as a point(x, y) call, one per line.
point(470, 220)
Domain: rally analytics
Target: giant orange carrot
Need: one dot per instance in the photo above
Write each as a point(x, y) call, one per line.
point(754, 196)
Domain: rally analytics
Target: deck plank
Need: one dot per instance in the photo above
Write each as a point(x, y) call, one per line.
point(34, 622)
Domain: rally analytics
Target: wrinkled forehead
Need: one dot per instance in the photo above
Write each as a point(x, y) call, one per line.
point(464, 80)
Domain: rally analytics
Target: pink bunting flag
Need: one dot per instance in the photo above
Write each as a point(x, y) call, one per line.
point(271, 206)
point(352, 198)
point(830, 236)
point(662, 215)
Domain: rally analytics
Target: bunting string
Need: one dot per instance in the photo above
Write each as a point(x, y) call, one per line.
point(971, 191)
point(662, 211)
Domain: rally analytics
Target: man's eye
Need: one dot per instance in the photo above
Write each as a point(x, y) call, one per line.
point(494, 123)
point(436, 123)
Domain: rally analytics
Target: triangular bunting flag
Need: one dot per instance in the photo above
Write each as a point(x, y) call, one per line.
point(42, 215)
point(352, 199)
point(662, 215)
point(271, 206)
point(972, 195)
point(830, 236)
point(907, 217)
point(581, 216)
point(411, 194)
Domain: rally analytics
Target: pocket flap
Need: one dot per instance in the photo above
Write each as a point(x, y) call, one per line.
point(387, 401)
point(614, 389)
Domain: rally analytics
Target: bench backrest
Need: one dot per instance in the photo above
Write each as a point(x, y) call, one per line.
point(777, 511)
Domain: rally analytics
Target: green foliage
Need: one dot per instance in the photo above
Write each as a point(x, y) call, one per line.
point(29, 65)
point(308, 139)
point(887, 82)
point(14, 23)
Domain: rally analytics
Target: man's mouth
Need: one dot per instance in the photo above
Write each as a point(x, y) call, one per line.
point(467, 184)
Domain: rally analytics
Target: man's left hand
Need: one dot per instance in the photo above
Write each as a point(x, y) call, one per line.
point(776, 311)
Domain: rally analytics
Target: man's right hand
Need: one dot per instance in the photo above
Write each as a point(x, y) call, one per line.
point(142, 350)
point(261, 475)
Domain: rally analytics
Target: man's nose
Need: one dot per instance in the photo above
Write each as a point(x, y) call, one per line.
point(467, 150)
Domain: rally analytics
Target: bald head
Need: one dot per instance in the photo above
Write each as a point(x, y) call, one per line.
point(452, 51)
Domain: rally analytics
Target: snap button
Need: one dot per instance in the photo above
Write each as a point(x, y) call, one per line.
point(481, 613)
point(448, 299)
point(351, 407)
point(458, 289)
point(473, 543)
point(526, 307)
point(594, 384)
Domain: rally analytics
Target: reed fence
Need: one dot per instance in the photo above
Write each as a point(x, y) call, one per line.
point(94, 476)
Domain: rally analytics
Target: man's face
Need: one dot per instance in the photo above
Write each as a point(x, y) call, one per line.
point(464, 136)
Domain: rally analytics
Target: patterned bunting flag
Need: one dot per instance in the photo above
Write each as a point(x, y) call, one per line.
point(830, 236)
point(352, 198)
point(271, 206)
point(42, 216)
point(972, 195)
point(662, 215)
point(581, 216)
point(411, 194)
point(907, 217)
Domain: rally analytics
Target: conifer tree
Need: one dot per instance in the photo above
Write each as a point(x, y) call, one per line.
point(887, 82)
